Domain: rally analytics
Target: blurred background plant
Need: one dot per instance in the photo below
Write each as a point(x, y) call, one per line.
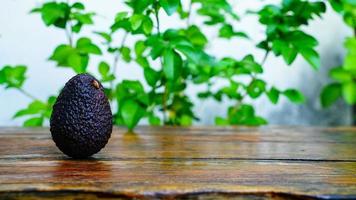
point(344, 76)
point(173, 59)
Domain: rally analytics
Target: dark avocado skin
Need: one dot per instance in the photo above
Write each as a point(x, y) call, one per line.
point(81, 121)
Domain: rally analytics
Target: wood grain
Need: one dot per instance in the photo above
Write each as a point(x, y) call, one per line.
point(185, 163)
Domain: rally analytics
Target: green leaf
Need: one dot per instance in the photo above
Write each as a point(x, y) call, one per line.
point(139, 48)
point(61, 54)
point(350, 62)
point(154, 120)
point(143, 62)
point(256, 88)
point(255, 121)
point(350, 59)
point(13, 77)
point(227, 31)
point(75, 61)
point(133, 90)
point(330, 94)
point(350, 44)
point(131, 113)
point(170, 6)
point(294, 96)
point(78, 6)
point(104, 35)
point(340, 74)
point(85, 45)
point(196, 37)
point(126, 53)
point(349, 92)
point(172, 64)
point(136, 21)
point(83, 18)
point(301, 40)
point(312, 57)
point(189, 52)
point(336, 5)
point(139, 6)
point(54, 13)
point(289, 54)
point(151, 76)
point(120, 16)
point(241, 114)
point(34, 122)
point(241, 34)
point(104, 68)
point(186, 120)
point(50, 102)
point(221, 121)
point(204, 95)
point(273, 95)
point(36, 107)
point(157, 46)
point(147, 25)
point(251, 65)
point(67, 56)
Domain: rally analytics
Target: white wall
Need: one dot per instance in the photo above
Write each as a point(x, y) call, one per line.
point(25, 40)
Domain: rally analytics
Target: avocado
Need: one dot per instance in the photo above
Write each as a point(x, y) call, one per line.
point(81, 120)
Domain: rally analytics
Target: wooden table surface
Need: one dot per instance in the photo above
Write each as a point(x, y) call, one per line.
point(184, 163)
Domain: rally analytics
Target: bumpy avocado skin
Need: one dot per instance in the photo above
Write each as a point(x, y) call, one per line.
point(81, 121)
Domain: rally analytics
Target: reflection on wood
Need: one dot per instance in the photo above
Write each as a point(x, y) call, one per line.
point(184, 163)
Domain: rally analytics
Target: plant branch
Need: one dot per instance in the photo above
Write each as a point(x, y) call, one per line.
point(117, 58)
point(189, 13)
point(264, 58)
point(68, 30)
point(157, 20)
point(69, 36)
point(27, 94)
point(164, 96)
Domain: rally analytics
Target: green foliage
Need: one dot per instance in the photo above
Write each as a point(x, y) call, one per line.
point(132, 101)
point(344, 76)
point(76, 57)
point(170, 6)
point(294, 95)
point(283, 34)
point(64, 16)
point(37, 111)
point(347, 8)
point(241, 114)
point(182, 57)
point(13, 77)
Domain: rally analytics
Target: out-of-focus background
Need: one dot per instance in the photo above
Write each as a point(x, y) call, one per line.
point(25, 40)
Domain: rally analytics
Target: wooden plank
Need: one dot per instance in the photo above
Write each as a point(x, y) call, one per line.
point(185, 163)
point(177, 176)
point(277, 144)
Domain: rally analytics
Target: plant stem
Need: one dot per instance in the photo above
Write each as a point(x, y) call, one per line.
point(164, 104)
point(264, 58)
point(189, 13)
point(27, 94)
point(157, 21)
point(68, 30)
point(117, 58)
point(238, 103)
point(69, 36)
point(164, 96)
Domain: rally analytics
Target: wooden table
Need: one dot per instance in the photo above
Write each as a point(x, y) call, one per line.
point(184, 163)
